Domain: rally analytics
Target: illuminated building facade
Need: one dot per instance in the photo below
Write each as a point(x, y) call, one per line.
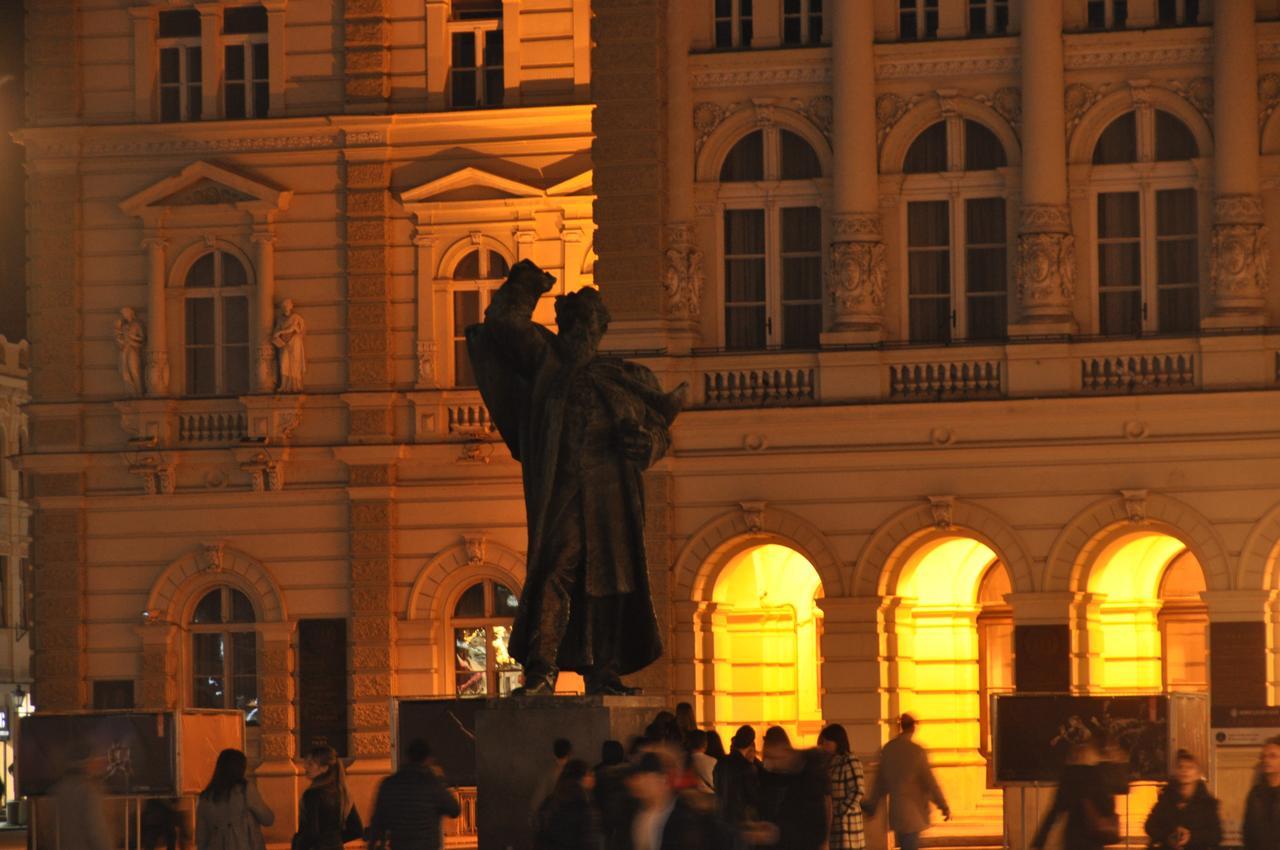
point(15, 545)
point(973, 295)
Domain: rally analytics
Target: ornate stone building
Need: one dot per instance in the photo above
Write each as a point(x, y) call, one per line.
point(15, 563)
point(973, 295)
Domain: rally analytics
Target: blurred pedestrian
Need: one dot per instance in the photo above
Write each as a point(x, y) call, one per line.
point(1083, 808)
point(848, 787)
point(715, 745)
point(327, 817)
point(1185, 816)
point(411, 802)
point(561, 752)
point(737, 780)
point(1262, 807)
point(230, 813)
point(905, 777)
point(664, 820)
point(701, 765)
point(795, 793)
point(78, 802)
point(686, 720)
point(162, 825)
point(611, 796)
point(567, 819)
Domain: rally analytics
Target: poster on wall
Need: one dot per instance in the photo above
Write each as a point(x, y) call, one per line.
point(130, 753)
point(1035, 733)
point(449, 726)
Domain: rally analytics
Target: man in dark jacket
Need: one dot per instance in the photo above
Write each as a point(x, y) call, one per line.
point(736, 780)
point(410, 803)
point(1262, 806)
point(663, 820)
point(1185, 817)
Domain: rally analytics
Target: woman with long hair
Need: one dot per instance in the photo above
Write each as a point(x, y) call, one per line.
point(567, 820)
point(327, 818)
point(848, 787)
point(1185, 816)
point(231, 814)
point(1262, 806)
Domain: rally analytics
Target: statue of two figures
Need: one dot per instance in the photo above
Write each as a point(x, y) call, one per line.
point(288, 341)
point(584, 426)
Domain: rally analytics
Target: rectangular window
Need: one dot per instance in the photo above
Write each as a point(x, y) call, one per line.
point(466, 311)
point(929, 271)
point(1174, 13)
point(745, 297)
point(1177, 263)
point(202, 376)
point(209, 684)
point(235, 345)
point(986, 269)
point(733, 25)
point(1119, 263)
point(247, 91)
point(917, 19)
point(988, 17)
point(802, 22)
point(476, 69)
point(113, 694)
point(1108, 14)
point(26, 594)
point(475, 10)
point(179, 65)
point(323, 717)
point(801, 277)
point(471, 657)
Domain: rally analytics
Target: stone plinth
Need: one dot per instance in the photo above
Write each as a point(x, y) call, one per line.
point(513, 752)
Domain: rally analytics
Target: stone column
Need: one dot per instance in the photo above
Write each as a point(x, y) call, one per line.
point(158, 688)
point(264, 243)
point(683, 270)
point(428, 347)
point(277, 774)
point(277, 76)
point(366, 59)
point(157, 321)
point(511, 70)
point(145, 62)
point(1239, 256)
point(1046, 269)
point(856, 274)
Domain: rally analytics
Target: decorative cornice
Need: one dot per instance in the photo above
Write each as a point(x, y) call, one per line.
point(1098, 56)
point(754, 76)
point(946, 66)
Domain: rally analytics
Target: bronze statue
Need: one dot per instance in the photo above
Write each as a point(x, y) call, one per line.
point(584, 426)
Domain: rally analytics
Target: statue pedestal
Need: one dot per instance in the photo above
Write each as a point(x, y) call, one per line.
point(513, 752)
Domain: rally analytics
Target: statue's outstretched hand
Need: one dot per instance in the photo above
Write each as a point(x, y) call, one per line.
point(634, 441)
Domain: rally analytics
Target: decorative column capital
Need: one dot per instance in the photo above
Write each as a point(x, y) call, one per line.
point(856, 276)
point(154, 242)
point(683, 273)
point(1237, 209)
point(1046, 218)
point(1046, 270)
point(1239, 260)
point(265, 235)
point(856, 227)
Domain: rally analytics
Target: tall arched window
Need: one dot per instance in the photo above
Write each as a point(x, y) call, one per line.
point(216, 314)
point(957, 233)
point(1148, 225)
point(475, 277)
point(481, 628)
point(224, 653)
point(772, 241)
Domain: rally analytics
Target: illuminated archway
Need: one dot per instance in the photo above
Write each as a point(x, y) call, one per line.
point(954, 635)
point(1144, 622)
point(762, 630)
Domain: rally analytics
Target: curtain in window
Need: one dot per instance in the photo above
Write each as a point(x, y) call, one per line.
point(744, 277)
point(1177, 261)
point(929, 271)
point(801, 276)
point(986, 268)
point(1119, 263)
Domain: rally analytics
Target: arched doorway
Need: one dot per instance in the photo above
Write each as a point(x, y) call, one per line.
point(954, 634)
point(759, 638)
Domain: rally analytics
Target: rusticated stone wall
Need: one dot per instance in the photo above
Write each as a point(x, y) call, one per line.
point(372, 641)
point(60, 610)
point(368, 323)
point(366, 55)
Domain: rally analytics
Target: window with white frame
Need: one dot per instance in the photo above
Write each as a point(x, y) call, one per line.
point(246, 87)
point(801, 22)
point(216, 325)
point(475, 277)
point(957, 233)
point(180, 68)
point(733, 23)
point(475, 55)
point(1173, 13)
point(224, 653)
point(1108, 14)
point(480, 626)
point(988, 17)
point(1148, 225)
point(772, 242)
point(917, 19)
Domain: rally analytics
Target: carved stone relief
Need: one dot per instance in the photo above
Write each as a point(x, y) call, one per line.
point(683, 274)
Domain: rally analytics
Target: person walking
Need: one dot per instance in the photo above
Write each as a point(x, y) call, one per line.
point(78, 802)
point(561, 752)
point(795, 793)
point(327, 818)
point(666, 821)
point(1083, 805)
point(1185, 817)
point(611, 797)
point(701, 765)
point(230, 813)
point(737, 780)
point(848, 787)
point(568, 820)
point(906, 778)
point(410, 804)
point(1262, 807)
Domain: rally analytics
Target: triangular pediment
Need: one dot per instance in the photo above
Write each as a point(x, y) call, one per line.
point(469, 184)
point(581, 184)
point(206, 184)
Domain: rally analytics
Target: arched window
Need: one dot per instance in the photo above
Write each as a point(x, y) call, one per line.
point(957, 233)
point(475, 277)
point(216, 311)
point(481, 627)
point(772, 241)
point(1148, 225)
point(224, 653)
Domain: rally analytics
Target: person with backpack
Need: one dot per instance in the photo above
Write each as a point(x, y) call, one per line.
point(230, 814)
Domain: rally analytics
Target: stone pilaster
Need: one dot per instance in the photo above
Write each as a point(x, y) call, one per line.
point(629, 88)
point(683, 271)
point(53, 275)
point(276, 691)
point(366, 57)
point(656, 679)
point(372, 638)
point(683, 274)
point(368, 285)
point(58, 663)
point(851, 692)
point(158, 688)
point(53, 63)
